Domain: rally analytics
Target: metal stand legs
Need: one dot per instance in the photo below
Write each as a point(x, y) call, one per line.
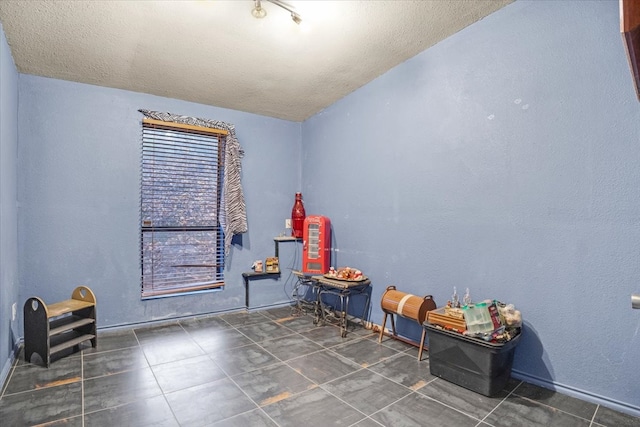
point(344, 296)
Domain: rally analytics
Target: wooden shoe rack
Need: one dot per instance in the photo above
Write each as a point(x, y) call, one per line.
point(51, 329)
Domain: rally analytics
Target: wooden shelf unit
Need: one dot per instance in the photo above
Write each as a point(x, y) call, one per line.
point(50, 329)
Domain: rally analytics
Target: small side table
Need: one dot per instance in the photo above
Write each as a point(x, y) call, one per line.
point(306, 281)
point(248, 276)
point(252, 275)
point(344, 290)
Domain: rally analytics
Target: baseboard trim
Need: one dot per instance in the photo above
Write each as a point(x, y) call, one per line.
point(577, 393)
point(267, 306)
point(6, 369)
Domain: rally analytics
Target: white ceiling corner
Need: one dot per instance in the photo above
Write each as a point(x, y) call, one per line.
point(216, 53)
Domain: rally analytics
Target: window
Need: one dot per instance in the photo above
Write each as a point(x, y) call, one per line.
point(181, 241)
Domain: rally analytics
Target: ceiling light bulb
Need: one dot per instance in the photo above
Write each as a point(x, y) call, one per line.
point(258, 11)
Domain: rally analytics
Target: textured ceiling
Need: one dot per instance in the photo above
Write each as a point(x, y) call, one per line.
point(216, 53)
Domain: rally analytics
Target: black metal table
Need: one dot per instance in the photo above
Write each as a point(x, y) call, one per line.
point(303, 285)
point(343, 290)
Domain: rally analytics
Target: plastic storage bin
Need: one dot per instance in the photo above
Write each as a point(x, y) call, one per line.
point(481, 366)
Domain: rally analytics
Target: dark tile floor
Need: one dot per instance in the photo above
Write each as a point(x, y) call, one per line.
point(267, 368)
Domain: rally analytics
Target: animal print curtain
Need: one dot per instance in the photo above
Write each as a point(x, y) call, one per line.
point(233, 213)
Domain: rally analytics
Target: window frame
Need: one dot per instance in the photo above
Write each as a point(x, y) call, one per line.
point(158, 222)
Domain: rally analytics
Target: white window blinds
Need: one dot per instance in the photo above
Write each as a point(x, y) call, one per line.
point(182, 244)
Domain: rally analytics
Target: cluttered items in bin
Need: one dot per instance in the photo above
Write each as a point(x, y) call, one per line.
point(489, 320)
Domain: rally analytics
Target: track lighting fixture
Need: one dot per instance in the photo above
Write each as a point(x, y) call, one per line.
point(259, 12)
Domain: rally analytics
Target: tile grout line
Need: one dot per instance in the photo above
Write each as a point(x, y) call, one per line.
point(82, 386)
point(164, 395)
point(285, 363)
point(593, 417)
point(230, 377)
point(248, 397)
point(540, 403)
point(480, 421)
point(12, 370)
point(360, 368)
point(394, 402)
point(496, 407)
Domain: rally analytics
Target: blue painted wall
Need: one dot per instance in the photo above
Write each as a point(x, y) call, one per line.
point(78, 188)
point(9, 331)
point(505, 159)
